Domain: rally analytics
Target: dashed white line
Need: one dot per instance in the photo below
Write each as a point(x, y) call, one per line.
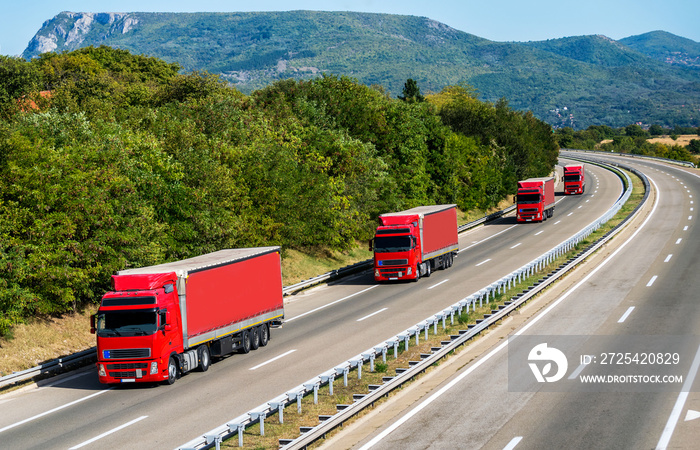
point(685, 228)
point(679, 241)
point(483, 262)
point(373, 314)
point(558, 221)
point(652, 280)
point(539, 232)
point(438, 284)
point(108, 433)
point(513, 442)
point(273, 359)
point(515, 245)
point(569, 214)
point(626, 314)
point(668, 258)
point(690, 217)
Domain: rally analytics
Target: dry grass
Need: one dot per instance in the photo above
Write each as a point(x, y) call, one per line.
point(683, 139)
point(298, 266)
point(44, 339)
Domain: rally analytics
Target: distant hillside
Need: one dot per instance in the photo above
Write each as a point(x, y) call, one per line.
point(666, 47)
point(575, 82)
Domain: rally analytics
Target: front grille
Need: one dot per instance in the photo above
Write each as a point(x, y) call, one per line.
point(126, 366)
point(393, 262)
point(528, 210)
point(127, 353)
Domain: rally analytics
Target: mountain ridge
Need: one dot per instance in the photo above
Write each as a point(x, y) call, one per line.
point(595, 79)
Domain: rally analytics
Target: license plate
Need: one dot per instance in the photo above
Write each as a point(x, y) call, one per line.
point(128, 380)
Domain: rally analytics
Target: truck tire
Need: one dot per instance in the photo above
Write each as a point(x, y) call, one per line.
point(254, 338)
point(245, 342)
point(264, 335)
point(427, 269)
point(173, 370)
point(204, 357)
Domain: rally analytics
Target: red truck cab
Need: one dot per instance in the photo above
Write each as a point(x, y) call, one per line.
point(574, 179)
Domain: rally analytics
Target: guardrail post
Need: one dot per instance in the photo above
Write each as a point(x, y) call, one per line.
point(215, 439)
point(238, 427)
point(382, 349)
point(329, 377)
point(344, 369)
point(313, 386)
point(369, 356)
point(279, 406)
point(260, 416)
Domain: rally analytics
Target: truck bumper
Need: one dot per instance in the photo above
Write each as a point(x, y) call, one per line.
point(149, 371)
point(394, 273)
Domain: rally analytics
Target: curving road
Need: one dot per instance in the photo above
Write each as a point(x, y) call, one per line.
point(325, 326)
point(640, 293)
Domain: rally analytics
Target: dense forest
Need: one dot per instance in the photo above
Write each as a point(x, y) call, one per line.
point(110, 160)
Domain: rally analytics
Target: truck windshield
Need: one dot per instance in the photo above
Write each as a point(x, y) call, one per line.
point(525, 199)
point(127, 323)
point(386, 244)
point(572, 178)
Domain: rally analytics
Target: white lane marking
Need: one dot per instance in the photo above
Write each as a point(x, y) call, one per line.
point(513, 442)
point(45, 413)
point(273, 359)
point(685, 228)
point(580, 207)
point(438, 284)
point(486, 239)
point(679, 241)
point(558, 221)
point(373, 314)
point(533, 321)
point(652, 280)
point(330, 304)
point(483, 262)
point(691, 209)
point(569, 214)
point(588, 200)
point(668, 258)
point(680, 403)
point(690, 217)
point(97, 438)
point(516, 245)
point(577, 372)
point(626, 314)
point(691, 415)
point(539, 232)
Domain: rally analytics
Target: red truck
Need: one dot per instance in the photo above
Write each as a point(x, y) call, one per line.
point(162, 321)
point(535, 199)
point(412, 243)
point(574, 179)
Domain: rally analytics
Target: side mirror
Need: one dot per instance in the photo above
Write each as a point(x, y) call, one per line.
point(371, 245)
point(93, 329)
point(167, 326)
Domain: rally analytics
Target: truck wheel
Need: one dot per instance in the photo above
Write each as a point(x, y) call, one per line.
point(417, 273)
point(427, 269)
point(173, 370)
point(245, 342)
point(264, 335)
point(204, 358)
point(254, 338)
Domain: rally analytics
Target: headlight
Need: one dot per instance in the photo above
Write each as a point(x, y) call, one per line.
point(101, 370)
point(154, 368)
point(376, 272)
point(409, 271)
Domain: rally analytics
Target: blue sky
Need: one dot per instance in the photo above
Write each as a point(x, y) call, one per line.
point(498, 20)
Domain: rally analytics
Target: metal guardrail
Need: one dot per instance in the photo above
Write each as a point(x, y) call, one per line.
point(89, 355)
point(277, 405)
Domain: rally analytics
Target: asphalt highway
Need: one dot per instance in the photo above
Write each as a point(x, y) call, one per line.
point(324, 327)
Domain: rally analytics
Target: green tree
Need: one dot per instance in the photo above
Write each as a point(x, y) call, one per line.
point(411, 92)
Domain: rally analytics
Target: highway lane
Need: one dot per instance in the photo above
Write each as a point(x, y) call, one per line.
point(312, 341)
point(649, 288)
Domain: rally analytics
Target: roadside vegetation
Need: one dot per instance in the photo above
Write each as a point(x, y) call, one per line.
point(679, 143)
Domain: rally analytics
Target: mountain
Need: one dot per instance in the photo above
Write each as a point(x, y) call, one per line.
point(578, 81)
